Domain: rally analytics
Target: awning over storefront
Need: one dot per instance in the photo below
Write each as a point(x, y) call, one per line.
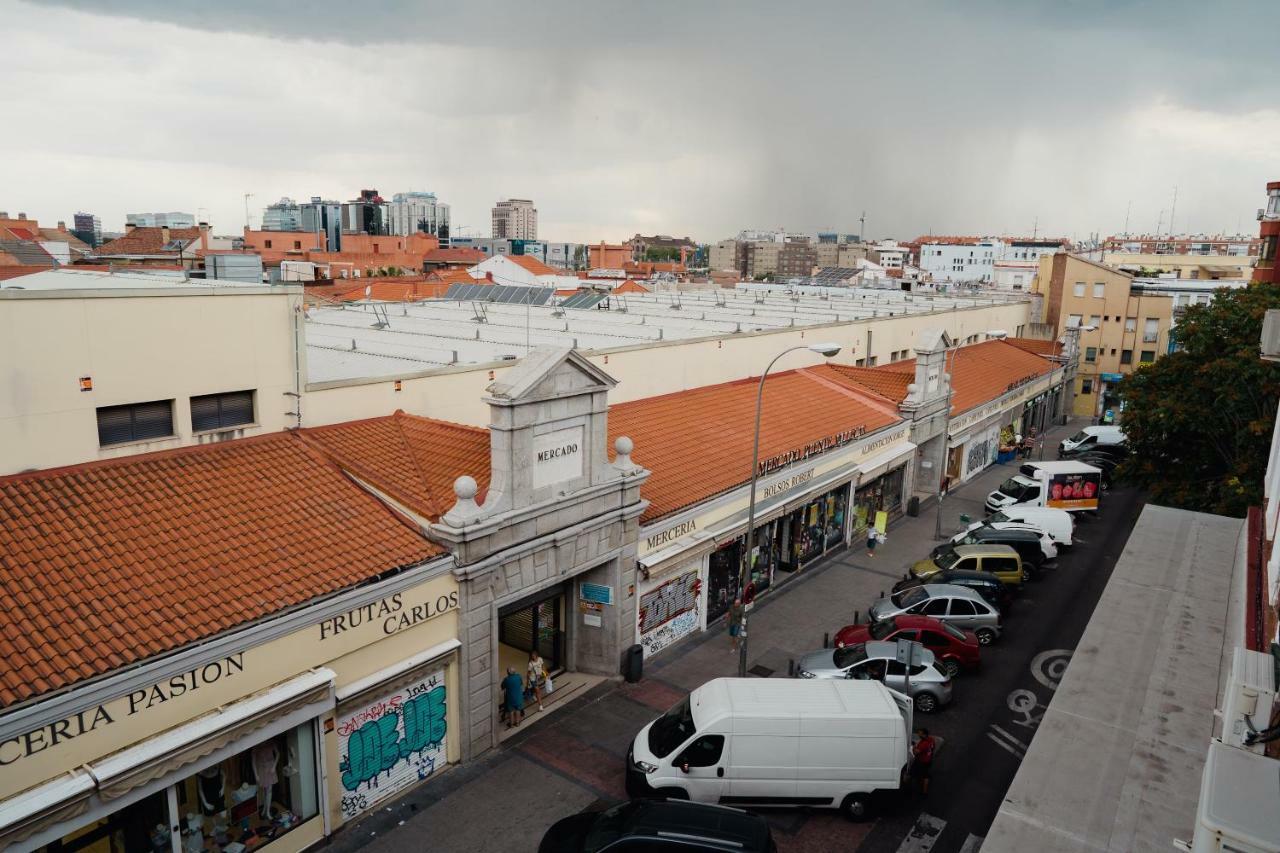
point(169, 751)
point(670, 557)
point(387, 674)
point(31, 811)
point(879, 464)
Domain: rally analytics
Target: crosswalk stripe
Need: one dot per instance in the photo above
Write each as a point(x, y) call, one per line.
point(923, 835)
point(972, 844)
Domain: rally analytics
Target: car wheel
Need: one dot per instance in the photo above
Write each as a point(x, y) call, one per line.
point(1026, 575)
point(856, 807)
point(926, 703)
point(985, 636)
point(950, 668)
point(673, 794)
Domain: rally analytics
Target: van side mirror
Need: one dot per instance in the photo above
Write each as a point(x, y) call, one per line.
point(684, 767)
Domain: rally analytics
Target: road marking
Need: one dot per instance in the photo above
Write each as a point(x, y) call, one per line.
point(923, 835)
point(1024, 702)
point(972, 844)
point(1049, 667)
point(1010, 737)
point(1007, 742)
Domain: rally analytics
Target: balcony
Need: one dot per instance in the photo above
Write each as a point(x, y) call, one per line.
point(1149, 337)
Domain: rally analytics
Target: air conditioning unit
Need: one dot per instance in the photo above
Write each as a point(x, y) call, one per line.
point(1271, 335)
point(1237, 811)
point(1250, 695)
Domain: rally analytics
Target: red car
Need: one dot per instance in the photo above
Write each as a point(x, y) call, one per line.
point(953, 648)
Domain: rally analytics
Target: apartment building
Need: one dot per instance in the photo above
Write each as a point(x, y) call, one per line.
point(515, 219)
point(1120, 326)
point(172, 219)
point(1183, 244)
point(1185, 266)
point(417, 212)
point(1269, 216)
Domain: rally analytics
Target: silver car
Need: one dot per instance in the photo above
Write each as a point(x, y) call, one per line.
point(928, 686)
point(957, 605)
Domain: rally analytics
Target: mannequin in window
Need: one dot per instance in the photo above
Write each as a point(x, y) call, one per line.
point(265, 759)
point(212, 787)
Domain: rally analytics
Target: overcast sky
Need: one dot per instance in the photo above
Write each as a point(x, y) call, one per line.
point(697, 118)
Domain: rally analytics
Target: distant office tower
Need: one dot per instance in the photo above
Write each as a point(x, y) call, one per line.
point(88, 228)
point(172, 219)
point(322, 216)
point(365, 215)
point(515, 219)
point(413, 212)
point(284, 215)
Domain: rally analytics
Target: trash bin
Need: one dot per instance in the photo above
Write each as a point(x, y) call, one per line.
point(633, 663)
point(913, 506)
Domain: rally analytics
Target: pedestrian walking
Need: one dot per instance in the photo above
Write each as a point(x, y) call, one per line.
point(1029, 444)
point(513, 693)
point(537, 676)
point(874, 537)
point(922, 751)
point(735, 621)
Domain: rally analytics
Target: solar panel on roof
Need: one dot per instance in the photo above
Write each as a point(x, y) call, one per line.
point(452, 292)
point(572, 301)
point(498, 293)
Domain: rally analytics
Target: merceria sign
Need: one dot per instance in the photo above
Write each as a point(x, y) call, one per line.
point(671, 533)
point(813, 448)
point(139, 700)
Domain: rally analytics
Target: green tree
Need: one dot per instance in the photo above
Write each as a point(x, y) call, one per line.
point(1199, 420)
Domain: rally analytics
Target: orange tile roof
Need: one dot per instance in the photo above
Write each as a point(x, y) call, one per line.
point(8, 271)
point(109, 563)
point(146, 240)
point(981, 372)
point(892, 385)
point(533, 265)
point(1047, 349)
point(697, 443)
point(631, 286)
point(413, 460)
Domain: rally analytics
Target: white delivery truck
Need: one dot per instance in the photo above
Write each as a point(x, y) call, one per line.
point(824, 743)
point(1073, 486)
point(1057, 523)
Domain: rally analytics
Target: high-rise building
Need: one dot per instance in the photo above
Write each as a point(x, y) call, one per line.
point(515, 219)
point(172, 219)
point(365, 215)
point(88, 228)
point(284, 215)
point(322, 216)
point(413, 212)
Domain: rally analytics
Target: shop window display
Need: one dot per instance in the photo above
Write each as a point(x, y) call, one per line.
point(139, 827)
point(252, 798)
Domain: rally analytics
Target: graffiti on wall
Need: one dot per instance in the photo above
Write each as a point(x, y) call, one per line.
point(390, 742)
point(669, 612)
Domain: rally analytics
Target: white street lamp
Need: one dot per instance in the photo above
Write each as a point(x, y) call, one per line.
point(827, 350)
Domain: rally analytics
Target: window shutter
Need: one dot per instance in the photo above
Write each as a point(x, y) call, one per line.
point(152, 420)
point(237, 408)
point(215, 411)
point(115, 425)
point(204, 413)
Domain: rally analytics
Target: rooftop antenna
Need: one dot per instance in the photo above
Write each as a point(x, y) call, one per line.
point(1172, 209)
point(1035, 228)
point(247, 222)
point(862, 227)
point(1127, 208)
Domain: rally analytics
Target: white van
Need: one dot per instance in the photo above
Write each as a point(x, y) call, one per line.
point(1090, 438)
point(825, 743)
point(1058, 524)
point(1073, 486)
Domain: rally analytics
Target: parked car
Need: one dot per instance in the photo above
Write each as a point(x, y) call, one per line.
point(1106, 464)
point(645, 825)
point(953, 649)
point(957, 605)
point(928, 687)
point(1059, 524)
point(1105, 438)
point(1000, 560)
point(985, 584)
point(1032, 546)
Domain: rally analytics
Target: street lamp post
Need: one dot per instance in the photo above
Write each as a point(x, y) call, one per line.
point(992, 334)
point(744, 574)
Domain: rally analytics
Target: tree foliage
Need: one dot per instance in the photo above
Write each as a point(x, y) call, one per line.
point(1199, 420)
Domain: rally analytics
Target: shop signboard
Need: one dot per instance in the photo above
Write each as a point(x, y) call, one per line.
point(1111, 377)
point(597, 592)
point(557, 456)
point(391, 741)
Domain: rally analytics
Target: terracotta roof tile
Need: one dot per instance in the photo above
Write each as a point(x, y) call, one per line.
point(1048, 349)
point(697, 443)
point(981, 372)
point(631, 286)
point(892, 385)
point(108, 563)
point(146, 240)
point(533, 265)
point(414, 460)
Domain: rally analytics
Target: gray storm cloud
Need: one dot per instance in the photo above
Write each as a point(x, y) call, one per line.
point(698, 118)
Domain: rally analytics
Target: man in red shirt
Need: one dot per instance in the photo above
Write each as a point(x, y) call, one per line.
point(923, 751)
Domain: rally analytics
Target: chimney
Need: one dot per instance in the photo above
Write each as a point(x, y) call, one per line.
point(204, 235)
point(129, 226)
point(62, 226)
point(22, 215)
point(488, 276)
point(164, 234)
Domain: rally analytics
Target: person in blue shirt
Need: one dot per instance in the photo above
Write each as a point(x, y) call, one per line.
point(513, 694)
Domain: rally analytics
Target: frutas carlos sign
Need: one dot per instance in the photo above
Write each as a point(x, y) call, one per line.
point(813, 448)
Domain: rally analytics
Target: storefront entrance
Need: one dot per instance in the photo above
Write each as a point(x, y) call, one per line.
point(883, 494)
point(722, 579)
point(534, 622)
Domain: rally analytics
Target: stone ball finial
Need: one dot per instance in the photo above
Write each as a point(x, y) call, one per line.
point(624, 445)
point(912, 388)
point(465, 488)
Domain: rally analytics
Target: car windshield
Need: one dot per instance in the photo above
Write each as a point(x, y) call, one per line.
point(998, 516)
point(1078, 437)
point(910, 597)
point(946, 559)
point(610, 826)
point(880, 630)
point(1012, 488)
point(850, 655)
point(955, 632)
point(671, 729)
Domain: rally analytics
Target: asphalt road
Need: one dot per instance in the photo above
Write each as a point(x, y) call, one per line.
point(993, 717)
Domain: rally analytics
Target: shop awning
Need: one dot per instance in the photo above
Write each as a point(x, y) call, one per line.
point(883, 461)
point(768, 510)
point(387, 674)
point(25, 814)
point(169, 751)
point(677, 552)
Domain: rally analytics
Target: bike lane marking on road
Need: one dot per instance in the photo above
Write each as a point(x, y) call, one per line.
point(1025, 706)
point(923, 835)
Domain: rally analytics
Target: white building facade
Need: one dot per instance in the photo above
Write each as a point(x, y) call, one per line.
point(412, 212)
point(515, 219)
point(173, 219)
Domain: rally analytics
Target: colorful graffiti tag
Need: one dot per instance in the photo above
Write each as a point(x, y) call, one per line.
point(669, 612)
point(390, 742)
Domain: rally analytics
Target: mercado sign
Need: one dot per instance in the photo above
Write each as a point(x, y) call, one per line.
point(813, 448)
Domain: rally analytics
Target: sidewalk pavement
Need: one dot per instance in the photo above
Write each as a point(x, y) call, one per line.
point(573, 759)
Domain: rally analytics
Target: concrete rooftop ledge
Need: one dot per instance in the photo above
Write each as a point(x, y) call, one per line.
point(1117, 760)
